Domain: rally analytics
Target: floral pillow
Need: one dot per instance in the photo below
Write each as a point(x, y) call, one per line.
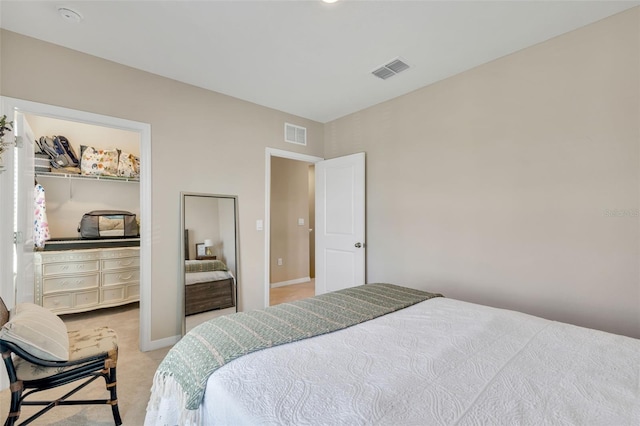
point(128, 165)
point(99, 162)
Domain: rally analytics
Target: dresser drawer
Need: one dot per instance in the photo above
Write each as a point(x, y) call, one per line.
point(67, 256)
point(114, 294)
point(120, 277)
point(133, 292)
point(73, 282)
point(70, 268)
point(71, 301)
point(86, 299)
point(57, 302)
point(118, 253)
point(126, 262)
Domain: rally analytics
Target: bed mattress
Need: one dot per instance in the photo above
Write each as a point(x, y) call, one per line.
point(203, 277)
point(441, 361)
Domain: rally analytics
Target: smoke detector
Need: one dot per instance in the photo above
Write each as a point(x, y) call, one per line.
point(69, 14)
point(389, 70)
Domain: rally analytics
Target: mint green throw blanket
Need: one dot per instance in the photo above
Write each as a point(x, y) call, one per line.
point(218, 341)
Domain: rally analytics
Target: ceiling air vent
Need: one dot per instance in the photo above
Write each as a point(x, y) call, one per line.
point(390, 69)
point(383, 73)
point(295, 134)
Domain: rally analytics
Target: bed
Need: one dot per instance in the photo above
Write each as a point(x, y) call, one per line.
point(433, 361)
point(208, 286)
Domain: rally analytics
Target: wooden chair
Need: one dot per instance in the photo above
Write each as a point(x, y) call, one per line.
point(88, 360)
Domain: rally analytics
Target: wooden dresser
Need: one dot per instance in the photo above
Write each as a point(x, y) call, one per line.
point(208, 296)
point(70, 281)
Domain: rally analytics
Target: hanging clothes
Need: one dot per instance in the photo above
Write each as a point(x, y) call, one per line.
point(40, 224)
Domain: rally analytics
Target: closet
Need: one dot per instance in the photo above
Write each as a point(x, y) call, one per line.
point(73, 274)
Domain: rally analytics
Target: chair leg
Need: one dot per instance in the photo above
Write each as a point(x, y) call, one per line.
point(111, 385)
point(14, 408)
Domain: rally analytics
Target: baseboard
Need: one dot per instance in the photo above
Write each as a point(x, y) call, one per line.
point(162, 343)
point(291, 282)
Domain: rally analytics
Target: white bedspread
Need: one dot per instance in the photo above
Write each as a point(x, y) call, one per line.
point(441, 361)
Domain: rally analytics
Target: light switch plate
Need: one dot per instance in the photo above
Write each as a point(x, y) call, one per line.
point(300, 221)
point(259, 226)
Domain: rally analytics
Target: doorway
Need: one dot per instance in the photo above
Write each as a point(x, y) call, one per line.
point(292, 174)
point(11, 106)
point(291, 230)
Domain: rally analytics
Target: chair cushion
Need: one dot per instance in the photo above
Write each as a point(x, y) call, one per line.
point(82, 343)
point(37, 331)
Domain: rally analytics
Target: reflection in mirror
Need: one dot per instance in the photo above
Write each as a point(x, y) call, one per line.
point(209, 260)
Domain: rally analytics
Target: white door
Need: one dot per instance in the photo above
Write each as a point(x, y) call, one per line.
point(23, 280)
point(340, 223)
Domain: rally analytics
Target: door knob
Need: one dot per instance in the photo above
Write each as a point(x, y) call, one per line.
point(358, 245)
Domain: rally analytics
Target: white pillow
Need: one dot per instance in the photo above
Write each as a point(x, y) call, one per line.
point(37, 331)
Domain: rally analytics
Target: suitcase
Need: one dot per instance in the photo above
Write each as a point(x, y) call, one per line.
point(108, 224)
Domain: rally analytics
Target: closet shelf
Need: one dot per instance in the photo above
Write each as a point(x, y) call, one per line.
point(83, 177)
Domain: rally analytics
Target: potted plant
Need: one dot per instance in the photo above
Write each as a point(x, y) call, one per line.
point(5, 126)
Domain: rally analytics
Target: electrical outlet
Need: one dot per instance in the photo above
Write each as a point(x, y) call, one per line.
point(279, 261)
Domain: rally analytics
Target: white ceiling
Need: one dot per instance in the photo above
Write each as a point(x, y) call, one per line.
point(306, 58)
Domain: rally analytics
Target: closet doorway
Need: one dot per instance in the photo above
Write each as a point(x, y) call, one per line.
point(42, 116)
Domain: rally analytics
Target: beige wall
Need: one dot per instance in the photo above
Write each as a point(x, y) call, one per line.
point(514, 184)
point(498, 185)
point(208, 217)
point(201, 142)
point(202, 220)
point(289, 202)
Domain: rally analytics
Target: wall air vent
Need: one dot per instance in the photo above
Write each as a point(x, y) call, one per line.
point(295, 134)
point(390, 69)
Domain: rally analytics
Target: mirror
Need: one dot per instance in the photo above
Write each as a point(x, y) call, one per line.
point(209, 256)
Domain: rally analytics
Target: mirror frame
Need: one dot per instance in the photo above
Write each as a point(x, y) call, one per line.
point(183, 248)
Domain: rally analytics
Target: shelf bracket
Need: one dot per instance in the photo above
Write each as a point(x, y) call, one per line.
point(17, 238)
